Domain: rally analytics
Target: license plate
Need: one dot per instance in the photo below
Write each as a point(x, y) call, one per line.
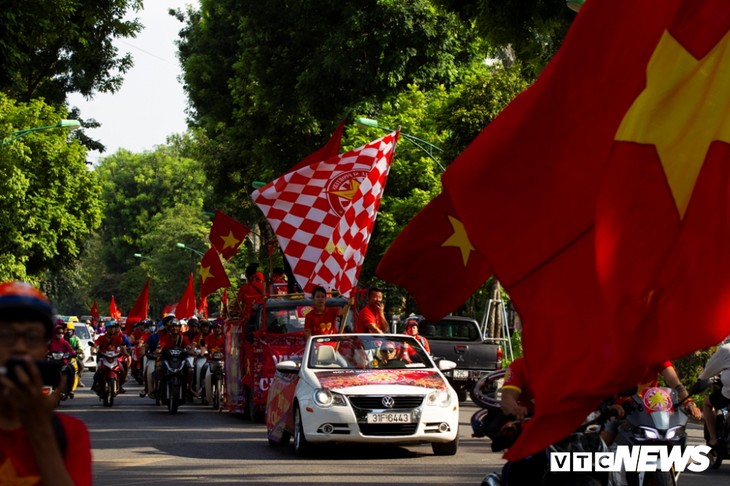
point(389, 418)
point(461, 374)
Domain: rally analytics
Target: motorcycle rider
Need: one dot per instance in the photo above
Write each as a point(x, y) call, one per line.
point(213, 343)
point(174, 338)
point(719, 363)
point(193, 328)
point(111, 340)
point(75, 343)
point(59, 344)
point(149, 350)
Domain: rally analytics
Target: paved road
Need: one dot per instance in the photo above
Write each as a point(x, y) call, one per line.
point(136, 442)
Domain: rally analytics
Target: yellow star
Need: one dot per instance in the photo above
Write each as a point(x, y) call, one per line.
point(657, 400)
point(683, 109)
point(229, 241)
point(8, 475)
point(205, 273)
point(348, 193)
point(459, 239)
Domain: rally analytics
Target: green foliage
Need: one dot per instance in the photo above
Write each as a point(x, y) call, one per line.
point(50, 198)
point(50, 48)
point(689, 367)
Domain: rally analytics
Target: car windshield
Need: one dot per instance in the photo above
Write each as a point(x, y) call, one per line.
point(365, 351)
point(82, 332)
point(448, 330)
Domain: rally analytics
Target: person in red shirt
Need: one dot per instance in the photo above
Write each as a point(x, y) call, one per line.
point(112, 339)
point(30, 450)
point(412, 330)
point(174, 338)
point(517, 399)
point(251, 293)
point(321, 319)
point(371, 318)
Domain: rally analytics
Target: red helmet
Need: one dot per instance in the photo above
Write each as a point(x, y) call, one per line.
point(22, 302)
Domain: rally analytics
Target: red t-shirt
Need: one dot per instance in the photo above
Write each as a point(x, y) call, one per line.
point(367, 316)
point(651, 377)
point(174, 340)
point(18, 462)
point(106, 342)
point(321, 322)
point(215, 344)
point(516, 378)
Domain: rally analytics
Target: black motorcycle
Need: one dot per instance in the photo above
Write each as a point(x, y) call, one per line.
point(173, 382)
point(721, 451)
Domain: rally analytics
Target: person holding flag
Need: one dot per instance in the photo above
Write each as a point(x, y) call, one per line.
point(321, 319)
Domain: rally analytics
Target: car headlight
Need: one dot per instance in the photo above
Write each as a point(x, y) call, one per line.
point(439, 398)
point(326, 398)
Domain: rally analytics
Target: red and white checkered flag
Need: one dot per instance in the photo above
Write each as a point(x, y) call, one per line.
point(323, 214)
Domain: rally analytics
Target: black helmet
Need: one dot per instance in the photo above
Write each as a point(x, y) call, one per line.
point(22, 302)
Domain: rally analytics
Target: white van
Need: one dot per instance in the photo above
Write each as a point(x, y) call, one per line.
point(85, 334)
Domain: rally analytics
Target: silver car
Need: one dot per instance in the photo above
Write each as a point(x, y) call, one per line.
point(85, 334)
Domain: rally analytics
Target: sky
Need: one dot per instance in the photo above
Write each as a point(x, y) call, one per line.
point(151, 103)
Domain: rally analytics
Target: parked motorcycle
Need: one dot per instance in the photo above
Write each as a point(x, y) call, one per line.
point(214, 380)
point(110, 372)
point(173, 382)
point(69, 367)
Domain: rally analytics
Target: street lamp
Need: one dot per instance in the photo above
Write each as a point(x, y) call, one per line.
point(185, 247)
point(427, 147)
point(67, 124)
point(139, 255)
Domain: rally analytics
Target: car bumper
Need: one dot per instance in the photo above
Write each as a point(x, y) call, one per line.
point(348, 424)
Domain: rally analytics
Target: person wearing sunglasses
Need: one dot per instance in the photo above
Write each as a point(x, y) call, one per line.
point(389, 356)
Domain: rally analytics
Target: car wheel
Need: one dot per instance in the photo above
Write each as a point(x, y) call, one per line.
point(461, 394)
point(301, 445)
point(446, 448)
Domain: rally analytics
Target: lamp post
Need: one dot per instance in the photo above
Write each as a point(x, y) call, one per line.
point(67, 124)
point(185, 247)
point(427, 147)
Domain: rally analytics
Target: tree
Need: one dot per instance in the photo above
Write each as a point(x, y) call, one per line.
point(136, 187)
point(49, 203)
point(49, 48)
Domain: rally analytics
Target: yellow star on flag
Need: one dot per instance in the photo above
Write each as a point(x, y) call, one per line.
point(350, 192)
point(229, 241)
point(8, 475)
point(459, 239)
point(682, 110)
point(205, 274)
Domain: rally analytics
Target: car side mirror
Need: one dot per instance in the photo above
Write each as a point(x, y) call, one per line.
point(288, 367)
point(445, 365)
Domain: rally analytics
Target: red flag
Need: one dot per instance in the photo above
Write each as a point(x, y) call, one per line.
point(168, 309)
point(329, 150)
point(212, 274)
point(114, 313)
point(94, 313)
point(186, 306)
point(323, 213)
point(226, 234)
point(560, 253)
point(139, 311)
point(203, 307)
point(434, 247)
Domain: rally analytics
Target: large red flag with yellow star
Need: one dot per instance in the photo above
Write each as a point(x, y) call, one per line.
point(212, 274)
point(444, 254)
point(611, 176)
point(226, 234)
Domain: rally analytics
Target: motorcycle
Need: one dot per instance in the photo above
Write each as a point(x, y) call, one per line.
point(200, 368)
point(137, 369)
point(149, 361)
point(653, 417)
point(69, 367)
point(110, 371)
point(214, 382)
point(173, 382)
point(722, 424)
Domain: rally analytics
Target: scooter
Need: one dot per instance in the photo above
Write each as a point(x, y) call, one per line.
point(200, 368)
point(110, 370)
point(173, 383)
point(69, 367)
point(214, 381)
point(721, 451)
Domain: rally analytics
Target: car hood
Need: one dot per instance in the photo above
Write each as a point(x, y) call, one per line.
point(351, 381)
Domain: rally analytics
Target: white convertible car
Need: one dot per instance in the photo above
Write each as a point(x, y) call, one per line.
point(381, 388)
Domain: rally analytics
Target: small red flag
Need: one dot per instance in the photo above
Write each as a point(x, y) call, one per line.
point(139, 311)
point(186, 306)
point(203, 307)
point(114, 313)
point(226, 234)
point(434, 247)
point(212, 274)
point(224, 304)
point(94, 313)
